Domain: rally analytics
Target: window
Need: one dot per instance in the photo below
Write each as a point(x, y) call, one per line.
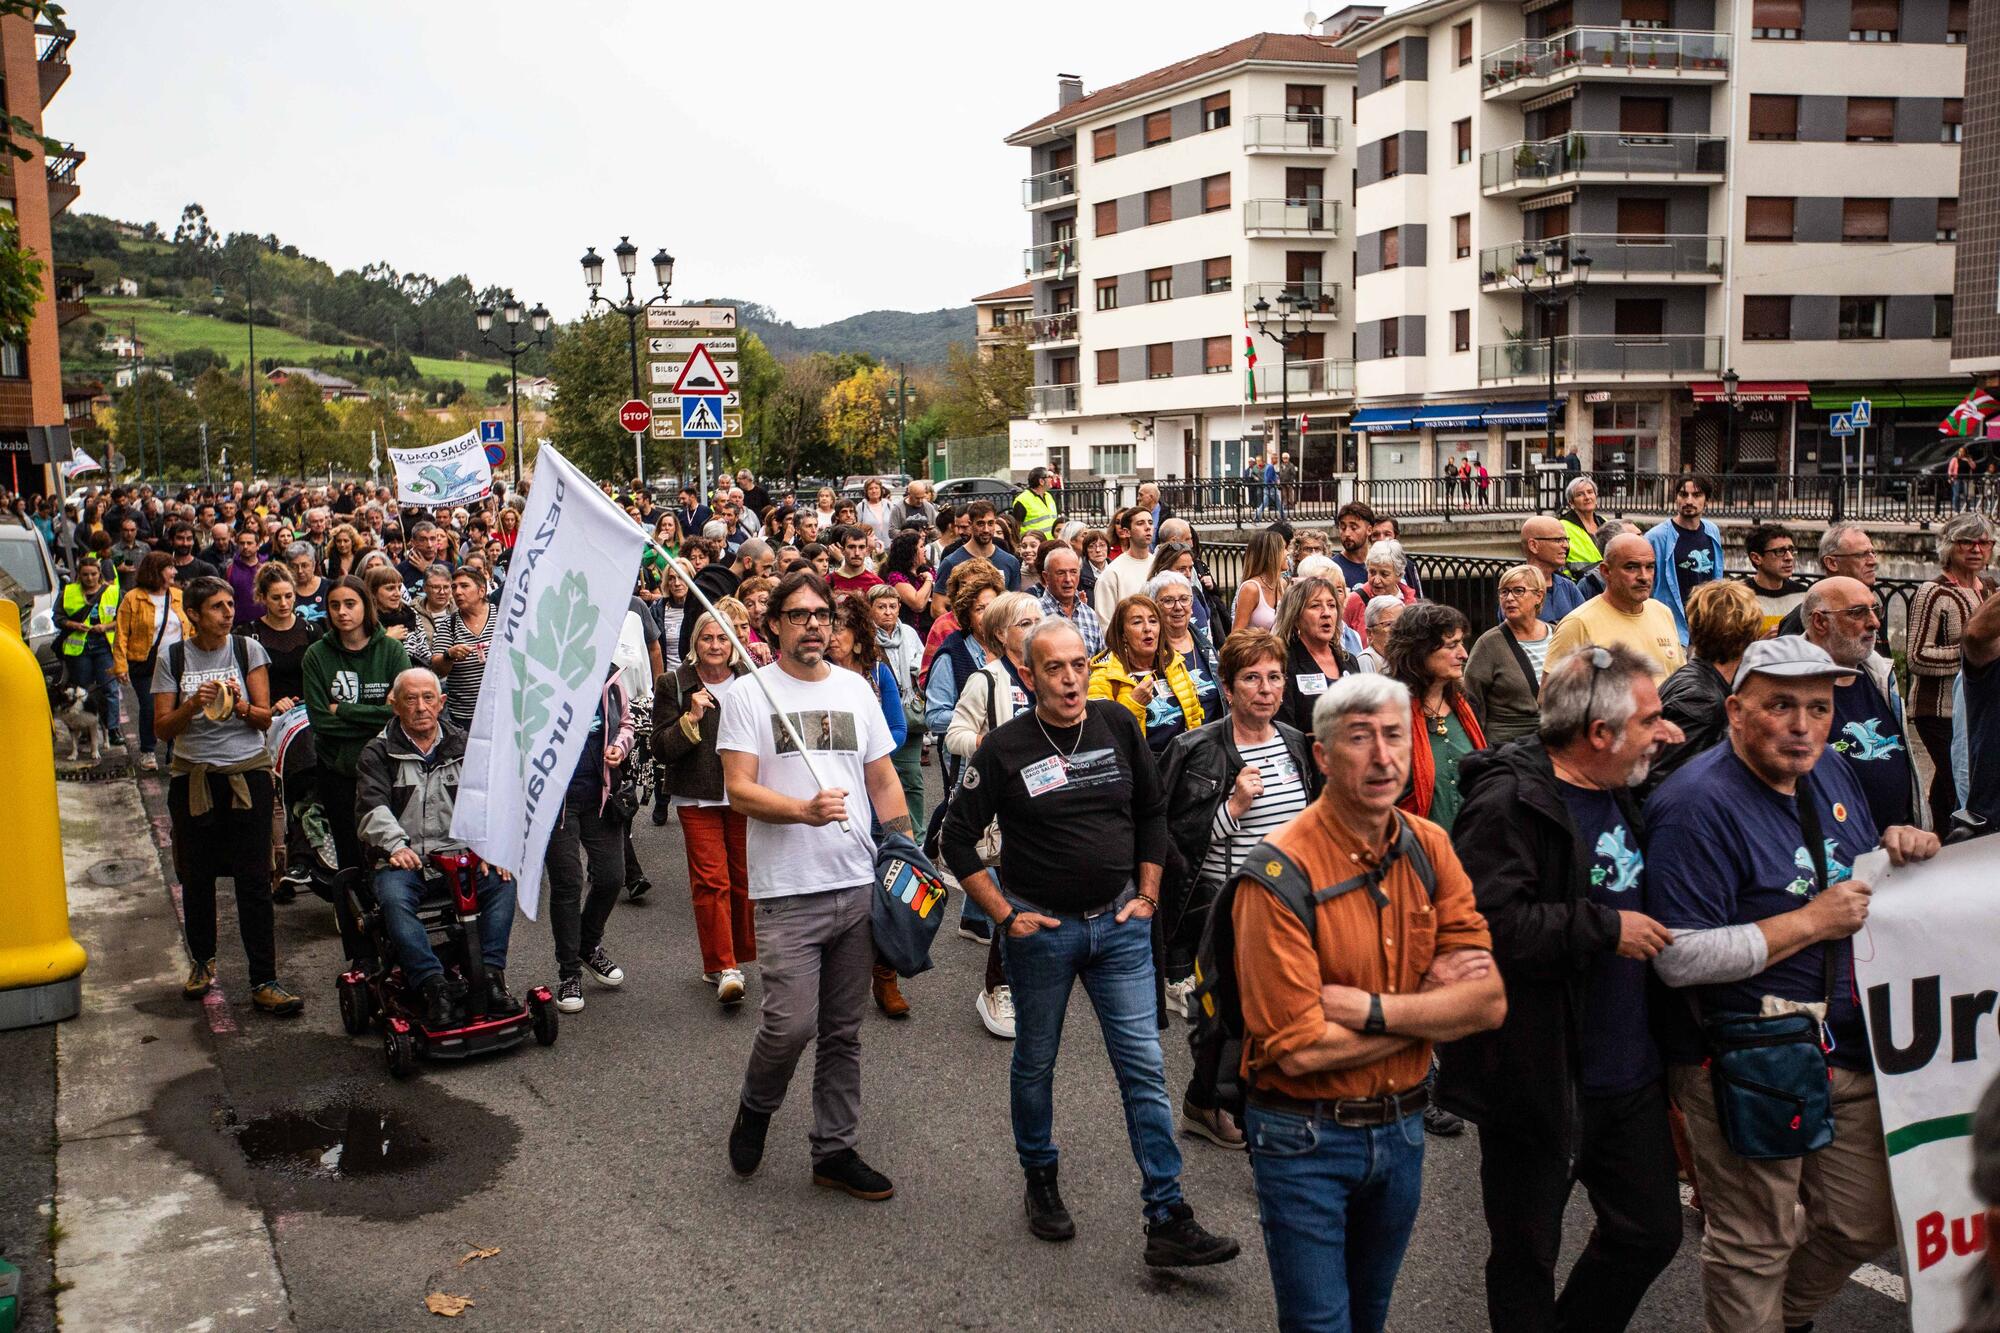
point(1461, 235)
point(1864, 220)
point(1644, 115)
point(1639, 318)
point(1774, 118)
point(1159, 206)
point(13, 360)
point(1392, 64)
point(1769, 218)
point(1215, 274)
point(1112, 460)
point(1642, 219)
point(1461, 37)
point(1392, 247)
point(1461, 139)
point(1107, 293)
point(1304, 99)
point(1392, 157)
point(1215, 111)
point(1645, 14)
point(1062, 369)
point(1955, 22)
point(1862, 317)
point(1777, 20)
point(1104, 143)
point(1767, 318)
point(1159, 128)
point(1940, 317)
point(1215, 356)
point(1874, 20)
point(1952, 128)
point(1947, 220)
point(1392, 338)
point(1061, 301)
point(1215, 193)
point(1159, 361)
point(1871, 119)
point(1107, 365)
point(1159, 284)
point(1461, 330)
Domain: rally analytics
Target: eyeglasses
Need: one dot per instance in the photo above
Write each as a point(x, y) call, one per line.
point(1779, 550)
point(1972, 541)
point(799, 617)
point(1505, 593)
point(1563, 540)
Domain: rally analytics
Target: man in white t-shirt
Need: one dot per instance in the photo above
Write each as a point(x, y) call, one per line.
point(812, 872)
point(1130, 571)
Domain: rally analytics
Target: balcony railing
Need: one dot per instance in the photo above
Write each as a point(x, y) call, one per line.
point(1330, 378)
point(1315, 298)
point(1048, 187)
point(1291, 216)
point(1612, 256)
point(1048, 400)
point(1052, 257)
point(1294, 131)
point(1608, 152)
point(52, 57)
point(1588, 50)
point(1057, 327)
point(1603, 354)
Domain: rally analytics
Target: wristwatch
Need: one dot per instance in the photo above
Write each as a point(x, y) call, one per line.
point(1375, 1026)
point(1010, 920)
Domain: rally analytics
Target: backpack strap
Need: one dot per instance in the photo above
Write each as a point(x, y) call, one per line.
point(176, 663)
point(242, 659)
point(1280, 876)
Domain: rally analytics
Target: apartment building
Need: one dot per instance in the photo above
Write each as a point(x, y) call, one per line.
point(1975, 331)
point(1693, 227)
point(1002, 316)
point(1161, 210)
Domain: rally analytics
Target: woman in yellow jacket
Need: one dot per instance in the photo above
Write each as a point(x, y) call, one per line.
point(150, 621)
point(1139, 670)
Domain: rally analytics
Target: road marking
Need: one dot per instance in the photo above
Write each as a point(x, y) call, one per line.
point(1868, 1275)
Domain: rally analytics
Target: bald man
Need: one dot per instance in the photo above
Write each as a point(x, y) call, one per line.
point(1624, 613)
point(1869, 730)
point(1546, 547)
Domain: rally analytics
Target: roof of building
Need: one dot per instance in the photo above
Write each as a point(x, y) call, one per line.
point(1419, 15)
point(319, 377)
point(1285, 47)
point(1020, 291)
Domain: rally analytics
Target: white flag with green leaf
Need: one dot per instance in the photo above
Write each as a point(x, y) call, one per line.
point(569, 586)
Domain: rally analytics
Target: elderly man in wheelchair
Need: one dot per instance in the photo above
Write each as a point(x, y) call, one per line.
point(406, 787)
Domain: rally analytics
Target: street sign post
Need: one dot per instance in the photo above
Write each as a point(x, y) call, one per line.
point(694, 373)
point(493, 432)
point(674, 318)
point(1841, 425)
point(667, 402)
point(701, 419)
point(1863, 412)
point(635, 416)
point(496, 455)
point(668, 427)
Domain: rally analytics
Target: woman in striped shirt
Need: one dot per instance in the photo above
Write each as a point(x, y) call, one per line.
point(462, 640)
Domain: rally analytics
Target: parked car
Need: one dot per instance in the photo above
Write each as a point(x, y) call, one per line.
point(963, 490)
point(25, 557)
point(892, 482)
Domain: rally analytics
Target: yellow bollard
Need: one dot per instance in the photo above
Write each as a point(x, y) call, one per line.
point(41, 967)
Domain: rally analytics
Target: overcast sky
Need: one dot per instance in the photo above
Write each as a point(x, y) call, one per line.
point(821, 159)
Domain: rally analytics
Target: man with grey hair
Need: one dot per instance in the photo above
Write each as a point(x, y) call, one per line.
point(1570, 1088)
point(916, 503)
point(1845, 549)
point(1869, 731)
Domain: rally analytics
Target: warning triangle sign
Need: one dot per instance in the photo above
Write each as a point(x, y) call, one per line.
point(701, 376)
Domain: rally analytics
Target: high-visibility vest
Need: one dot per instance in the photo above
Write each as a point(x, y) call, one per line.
point(72, 609)
point(1038, 512)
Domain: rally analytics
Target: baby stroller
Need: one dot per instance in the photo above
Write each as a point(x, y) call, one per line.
point(377, 993)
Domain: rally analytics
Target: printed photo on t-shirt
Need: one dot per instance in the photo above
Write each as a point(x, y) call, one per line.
point(830, 730)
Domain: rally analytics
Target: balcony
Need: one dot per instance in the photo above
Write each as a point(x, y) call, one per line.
point(1535, 64)
point(1295, 133)
point(52, 58)
point(1052, 330)
point(1054, 400)
point(1583, 157)
point(1049, 189)
point(1696, 259)
point(1053, 259)
point(1291, 219)
point(63, 189)
point(1331, 378)
point(1316, 300)
point(1602, 356)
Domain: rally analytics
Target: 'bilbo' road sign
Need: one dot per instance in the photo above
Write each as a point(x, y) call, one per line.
point(669, 372)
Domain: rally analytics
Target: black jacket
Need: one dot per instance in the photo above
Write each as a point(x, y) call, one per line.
point(1694, 699)
point(717, 580)
point(687, 768)
point(1530, 876)
point(1199, 771)
point(1296, 711)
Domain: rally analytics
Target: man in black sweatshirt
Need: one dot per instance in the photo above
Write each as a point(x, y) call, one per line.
point(1083, 837)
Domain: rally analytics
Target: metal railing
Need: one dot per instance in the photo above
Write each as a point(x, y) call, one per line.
point(1332, 377)
point(1502, 493)
point(1610, 151)
point(1603, 354)
point(52, 44)
point(1292, 215)
point(1587, 49)
point(1306, 131)
point(1312, 298)
point(1057, 327)
point(63, 164)
point(1047, 400)
point(1049, 185)
point(1049, 257)
point(1612, 256)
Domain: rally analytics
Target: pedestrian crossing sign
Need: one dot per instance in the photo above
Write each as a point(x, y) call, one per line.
point(701, 419)
point(1842, 424)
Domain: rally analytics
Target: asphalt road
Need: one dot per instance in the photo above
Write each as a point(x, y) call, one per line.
point(597, 1169)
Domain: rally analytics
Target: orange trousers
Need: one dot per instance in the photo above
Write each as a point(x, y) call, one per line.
point(719, 879)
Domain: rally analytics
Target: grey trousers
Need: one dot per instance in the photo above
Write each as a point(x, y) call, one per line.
point(814, 955)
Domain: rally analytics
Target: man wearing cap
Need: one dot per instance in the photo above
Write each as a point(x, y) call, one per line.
point(1751, 866)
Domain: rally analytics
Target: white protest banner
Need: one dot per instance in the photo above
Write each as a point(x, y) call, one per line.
point(1928, 966)
point(569, 584)
point(439, 475)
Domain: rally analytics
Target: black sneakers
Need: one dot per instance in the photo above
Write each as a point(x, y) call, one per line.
point(846, 1171)
point(1442, 1124)
point(1047, 1217)
point(746, 1140)
point(1181, 1242)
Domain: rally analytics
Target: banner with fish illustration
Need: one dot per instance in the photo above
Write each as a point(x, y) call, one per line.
point(438, 476)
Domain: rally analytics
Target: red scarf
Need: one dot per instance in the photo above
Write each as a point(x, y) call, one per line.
point(1423, 769)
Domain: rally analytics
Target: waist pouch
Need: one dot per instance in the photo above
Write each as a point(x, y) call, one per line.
point(1769, 1078)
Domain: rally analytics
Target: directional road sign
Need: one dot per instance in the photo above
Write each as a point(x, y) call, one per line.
point(493, 432)
point(686, 346)
point(673, 318)
point(667, 402)
point(1863, 412)
point(668, 374)
point(668, 427)
point(634, 416)
point(1843, 424)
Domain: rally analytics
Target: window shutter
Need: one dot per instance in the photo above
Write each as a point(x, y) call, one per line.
point(1875, 16)
point(1392, 62)
point(1213, 103)
point(1392, 341)
point(1159, 206)
point(1642, 219)
point(1159, 360)
point(1947, 215)
point(1461, 234)
point(1871, 119)
point(1646, 14)
point(1767, 317)
point(1215, 193)
point(1464, 34)
point(1107, 365)
point(1643, 115)
point(1773, 117)
point(1955, 20)
point(1392, 156)
point(1778, 14)
point(1954, 111)
point(1864, 220)
point(1215, 354)
point(1159, 127)
point(1215, 274)
point(1461, 135)
point(1104, 143)
point(1461, 330)
point(1392, 248)
point(1107, 217)
point(1769, 217)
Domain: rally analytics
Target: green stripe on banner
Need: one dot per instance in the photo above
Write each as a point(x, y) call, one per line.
point(1928, 1131)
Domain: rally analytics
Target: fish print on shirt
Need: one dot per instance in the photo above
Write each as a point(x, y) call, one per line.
point(1864, 741)
point(1625, 863)
point(1836, 870)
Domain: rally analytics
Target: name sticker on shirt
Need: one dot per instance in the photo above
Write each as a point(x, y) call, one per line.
point(1313, 682)
point(1045, 776)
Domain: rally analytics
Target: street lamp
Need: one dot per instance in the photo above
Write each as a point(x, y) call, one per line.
point(1289, 306)
point(1731, 386)
point(510, 311)
point(1549, 265)
point(631, 307)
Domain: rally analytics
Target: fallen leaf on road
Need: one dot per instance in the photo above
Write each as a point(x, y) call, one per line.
point(470, 1255)
point(446, 1304)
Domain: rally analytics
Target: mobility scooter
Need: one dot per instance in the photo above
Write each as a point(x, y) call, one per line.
point(376, 993)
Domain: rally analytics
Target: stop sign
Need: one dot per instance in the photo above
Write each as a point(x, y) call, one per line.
point(635, 416)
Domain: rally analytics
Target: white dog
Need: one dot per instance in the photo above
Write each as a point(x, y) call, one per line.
point(79, 713)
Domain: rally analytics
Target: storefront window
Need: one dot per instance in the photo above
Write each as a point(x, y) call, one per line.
point(1626, 436)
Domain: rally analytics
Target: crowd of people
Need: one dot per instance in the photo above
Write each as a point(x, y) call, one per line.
point(1390, 877)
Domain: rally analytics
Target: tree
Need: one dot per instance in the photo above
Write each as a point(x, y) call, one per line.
point(591, 359)
point(189, 364)
point(858, 418)
point(982, 393)
point(299, 426)
point(791, 431)
point(153, 426)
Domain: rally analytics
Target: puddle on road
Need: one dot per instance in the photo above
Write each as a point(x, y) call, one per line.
point(343, 1141)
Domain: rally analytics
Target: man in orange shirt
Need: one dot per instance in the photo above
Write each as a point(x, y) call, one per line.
point(1339, 1019)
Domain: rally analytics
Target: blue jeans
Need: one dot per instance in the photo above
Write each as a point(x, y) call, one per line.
point(94, 668)
point(399, 892)
point(1115, 963)
point(1319, 1183)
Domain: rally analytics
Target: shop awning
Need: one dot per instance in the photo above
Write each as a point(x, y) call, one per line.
point(1838, 397)
point(1547, 100)
point(1383, 418)
point(1753, 391)
point(1542, 201)
point(1516, 414)
point(1450, 416)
